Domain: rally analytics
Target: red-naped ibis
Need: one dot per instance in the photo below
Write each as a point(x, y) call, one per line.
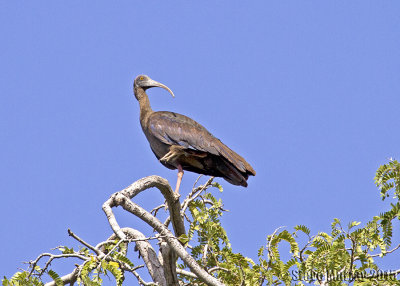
point(181, 143)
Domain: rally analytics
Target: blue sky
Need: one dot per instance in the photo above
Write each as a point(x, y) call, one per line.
point(307, 91)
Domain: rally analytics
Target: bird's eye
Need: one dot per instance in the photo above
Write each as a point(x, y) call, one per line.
point(141, 78)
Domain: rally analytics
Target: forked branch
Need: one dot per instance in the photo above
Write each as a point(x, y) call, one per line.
point(123, 199)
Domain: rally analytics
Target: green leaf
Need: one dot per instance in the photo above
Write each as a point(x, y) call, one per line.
point(66, 250)
point(124, 259)
point(353, 224)
point(183, 238)
point(302, 228)
point(5, 281)
point(55, 277)
point(217, 185)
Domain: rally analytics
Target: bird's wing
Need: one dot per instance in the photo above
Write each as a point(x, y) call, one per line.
point(177, 129)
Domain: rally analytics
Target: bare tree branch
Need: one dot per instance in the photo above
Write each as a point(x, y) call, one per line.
point(162, 269)
point(51, 258)
point(172, 199)
point(169, 263)
point(204, 258)
point(148, 254)
point(387, 252)
point(96, 250)
point(186, 273)
point(67, 279)
point(195, 193)
point(123, 198)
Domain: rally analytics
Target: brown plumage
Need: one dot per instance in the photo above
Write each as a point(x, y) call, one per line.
point(181, 143)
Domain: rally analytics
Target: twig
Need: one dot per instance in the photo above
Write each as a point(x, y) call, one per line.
point(186, 273)
point(216, 268)
point(140, 280)
point(194, 194)
point(156, 209)
point(51, 258)
point(195, 182)
point(389, 251)
point(270, 241)
point(305, 247)
point(70, 233)
point(204, 258)
point(187, 218)
point(352, 256)
point(210, 202)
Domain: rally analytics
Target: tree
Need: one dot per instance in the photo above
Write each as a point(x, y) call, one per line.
point(202, 254)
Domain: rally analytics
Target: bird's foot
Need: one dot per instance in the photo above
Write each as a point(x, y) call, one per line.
point(175, 151)
point(167, 157)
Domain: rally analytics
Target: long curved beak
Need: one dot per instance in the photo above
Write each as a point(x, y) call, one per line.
point(153, 83)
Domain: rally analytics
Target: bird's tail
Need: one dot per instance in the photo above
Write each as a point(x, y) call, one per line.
point(236, 160)
point(231, 174)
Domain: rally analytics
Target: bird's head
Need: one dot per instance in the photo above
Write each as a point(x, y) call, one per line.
point(145, 82)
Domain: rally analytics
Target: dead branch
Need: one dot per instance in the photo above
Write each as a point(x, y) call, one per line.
point(163, 186)
point(162, 267)
point(148, 254)
point(67, 279)
point(123, 199)
point(195, 193)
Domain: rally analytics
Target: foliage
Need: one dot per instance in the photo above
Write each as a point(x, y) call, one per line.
point(344, 255)
point(90, 272)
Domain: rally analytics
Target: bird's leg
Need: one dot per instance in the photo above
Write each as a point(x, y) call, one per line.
point(178, 182)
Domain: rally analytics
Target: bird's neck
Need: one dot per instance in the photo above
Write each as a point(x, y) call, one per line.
point(144, 103)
